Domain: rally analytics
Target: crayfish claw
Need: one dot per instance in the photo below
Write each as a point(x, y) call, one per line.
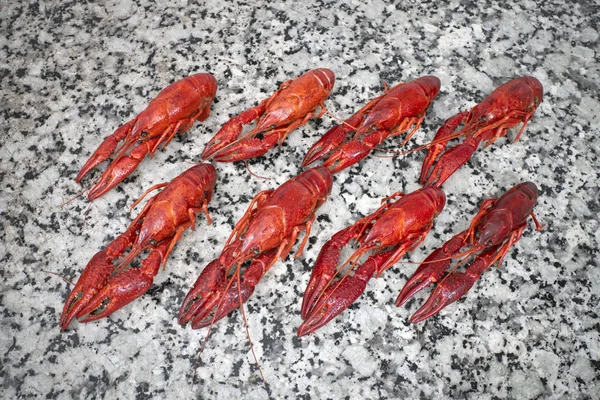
point(352, 152)
point(205, 293)
point(337, 297)
point(120, 169)
point(428, 272)
point(74, 303)
point(106, 149)
point(204, 309)
point(413, 286)
point(224, 137)
point(93, 278)
point(446, 293)
point(325, 266)
point(455, 285)
point(330, 141)
point(120, 290)
point(230, 302)
point(432, 268)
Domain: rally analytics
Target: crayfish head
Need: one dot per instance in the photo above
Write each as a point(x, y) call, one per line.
point(264, 233)
point(273, 119)
point(378, 237)
point(482, 116)
point(494, 228)
point(384, 117)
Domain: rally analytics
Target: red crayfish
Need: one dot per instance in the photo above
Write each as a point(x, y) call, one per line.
point(509, 105)
point(397, 111)
point(172, 111)
point(290, 107)
point(497, 226)
point(265, 233)
point(104, 288)
point(391, 231)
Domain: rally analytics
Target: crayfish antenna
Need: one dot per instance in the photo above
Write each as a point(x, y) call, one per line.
point(77, 195)
point(213, 320)
point(59, 275)
point(141, 198)
point(133, 253)
point(246, 326)
point(396, 153)
point(216, 316)
point(338, 119)
point(255, 175)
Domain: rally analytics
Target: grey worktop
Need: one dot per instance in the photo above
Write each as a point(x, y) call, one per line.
point(72, 72)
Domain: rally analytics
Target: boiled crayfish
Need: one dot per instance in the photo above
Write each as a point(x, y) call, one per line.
point(497, 226)
point(172, 111)
point(509, 105)
point(287, 109)
point(104, 288)
point(265, 233)
point(391, 231)
point(397, 111)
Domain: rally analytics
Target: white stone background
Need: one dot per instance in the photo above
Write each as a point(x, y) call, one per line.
point(71, 73)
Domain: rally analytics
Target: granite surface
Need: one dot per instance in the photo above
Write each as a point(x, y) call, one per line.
point(71, 72)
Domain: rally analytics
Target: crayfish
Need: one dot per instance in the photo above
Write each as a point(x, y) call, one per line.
point(509, 105)
point(103, 287)
point(498, 225)
point(265, 233)
point(290, 107)
point(172, 111)
point(390, 232)
point(397, 111)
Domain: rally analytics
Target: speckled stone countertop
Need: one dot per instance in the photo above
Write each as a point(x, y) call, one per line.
point(72, 72)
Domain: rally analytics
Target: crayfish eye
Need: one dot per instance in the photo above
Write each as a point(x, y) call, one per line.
point(256, 250)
